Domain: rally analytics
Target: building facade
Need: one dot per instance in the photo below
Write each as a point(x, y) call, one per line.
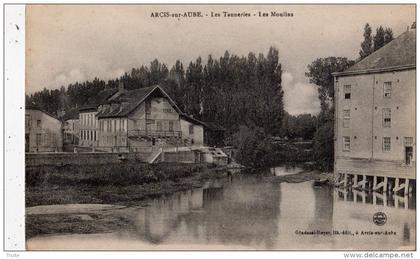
point(375, 115)
point(88, 121)
point(88, 132)
point(70, 127)
point(192, 130)
point(43, 132)
point(71, 131)
point(142, 119)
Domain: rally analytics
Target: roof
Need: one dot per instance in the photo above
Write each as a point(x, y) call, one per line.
point(72, 114)
point(128, 101)
point(32, 107)
point(102, 96)
point(214, 126)
point(398, 54)
point(192, 120)
point(98, 99)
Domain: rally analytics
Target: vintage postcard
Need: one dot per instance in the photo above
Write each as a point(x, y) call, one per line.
point(220, 127)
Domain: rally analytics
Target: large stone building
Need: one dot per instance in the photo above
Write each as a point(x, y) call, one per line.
point(43, 131)
point(375, 119)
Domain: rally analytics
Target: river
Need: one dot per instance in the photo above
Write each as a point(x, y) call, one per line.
point(250, 212)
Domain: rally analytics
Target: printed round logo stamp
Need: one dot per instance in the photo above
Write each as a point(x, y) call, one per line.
point(379, 218)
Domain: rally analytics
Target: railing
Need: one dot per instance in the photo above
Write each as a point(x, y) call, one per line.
point(154, 133)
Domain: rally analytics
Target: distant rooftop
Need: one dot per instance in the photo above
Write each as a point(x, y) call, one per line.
point(98, 99)
point(398, 54)
point(127, 101)
point(37, 108)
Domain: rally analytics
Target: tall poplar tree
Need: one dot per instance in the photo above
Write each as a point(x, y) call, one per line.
point(366, 45)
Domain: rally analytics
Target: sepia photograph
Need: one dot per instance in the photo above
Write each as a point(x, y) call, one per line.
point(220, 127)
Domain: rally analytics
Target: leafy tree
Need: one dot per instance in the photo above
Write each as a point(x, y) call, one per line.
point(366, 45)
point(300, 126)
point(389, 35)
point(320, 74)
point(379, 38)
point(229, 90)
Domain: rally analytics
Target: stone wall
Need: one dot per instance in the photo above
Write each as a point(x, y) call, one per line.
point(82, 158)
point(180, 157)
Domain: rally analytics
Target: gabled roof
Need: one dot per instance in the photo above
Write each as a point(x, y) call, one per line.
point(98, 99)
point(102, 96)
point(398, 54)
point(36, 108)
point(128, 101)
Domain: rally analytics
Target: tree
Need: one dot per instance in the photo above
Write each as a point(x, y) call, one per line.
point(379, 38)
point(367, 42)
point(320, 74)
point(389, 35)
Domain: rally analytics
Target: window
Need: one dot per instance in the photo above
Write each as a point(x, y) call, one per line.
point(38, 139)
point(346, 118)
point(27, 121)
point(387, 89)
point(386, 115)
point(159, 126)
point(38, 123)
point(386, 144)
point(408, 141)
point(346, 143)
point(148, 107)
point(167, 110)
point(191, 129)
point(171, 126)
point(347, 92)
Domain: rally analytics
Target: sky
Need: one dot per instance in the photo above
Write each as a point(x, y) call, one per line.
point(65, 44)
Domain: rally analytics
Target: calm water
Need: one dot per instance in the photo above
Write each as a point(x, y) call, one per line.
point(285, 170)
point(249, 212)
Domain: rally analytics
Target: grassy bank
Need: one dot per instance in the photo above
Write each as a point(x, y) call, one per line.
point(122, 183)
point(128, 183)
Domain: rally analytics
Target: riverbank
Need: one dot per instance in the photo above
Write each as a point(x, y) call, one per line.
point(103, 199)
point(122, 184)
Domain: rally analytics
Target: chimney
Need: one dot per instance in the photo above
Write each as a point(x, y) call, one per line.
point(121, 87)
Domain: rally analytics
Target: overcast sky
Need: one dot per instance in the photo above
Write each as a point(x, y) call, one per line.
point(66, 44)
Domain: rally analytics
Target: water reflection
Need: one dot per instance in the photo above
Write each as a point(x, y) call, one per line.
point(244, 215)
point(252, 213)
point(263, 215)
point(285, 170)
